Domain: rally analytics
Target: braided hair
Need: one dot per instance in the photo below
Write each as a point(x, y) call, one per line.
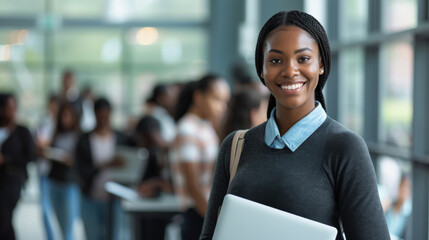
point(310, 25)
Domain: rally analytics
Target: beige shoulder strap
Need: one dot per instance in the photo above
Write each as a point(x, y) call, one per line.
point(236, 148)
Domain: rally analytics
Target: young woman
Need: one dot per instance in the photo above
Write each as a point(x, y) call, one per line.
point(300, 160)
point(64, 191)
point(156, 178)
point(16, 150)
point(95, 153)
point(201, 104)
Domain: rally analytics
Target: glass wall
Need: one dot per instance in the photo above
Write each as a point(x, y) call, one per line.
point(351, 87)
point(354, 19)
point(108, 45)
point(398, 15)
point(396, 75)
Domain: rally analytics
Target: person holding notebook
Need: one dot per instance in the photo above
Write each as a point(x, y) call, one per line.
point(300, 160)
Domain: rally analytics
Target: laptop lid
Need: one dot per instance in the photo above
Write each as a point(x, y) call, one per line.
point(135, 164)
point(244, 219)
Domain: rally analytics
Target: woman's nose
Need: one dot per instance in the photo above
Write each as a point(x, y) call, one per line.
point(290, 69)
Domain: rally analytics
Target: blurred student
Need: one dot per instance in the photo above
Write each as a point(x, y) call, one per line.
point(201, 104)
point(87, 120)
point(16, 150)
point(69, 92)
point(160, 103)
point(397, 216)
point(156, 178)
point(95, 153)
point(246, 109)
point(64, 191)
point(43, 137)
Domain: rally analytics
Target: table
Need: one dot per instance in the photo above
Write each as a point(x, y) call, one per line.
point(163, 207)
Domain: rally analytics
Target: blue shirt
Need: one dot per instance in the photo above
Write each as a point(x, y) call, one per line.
point(298, 133)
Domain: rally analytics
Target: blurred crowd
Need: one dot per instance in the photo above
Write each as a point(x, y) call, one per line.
point(75, 145)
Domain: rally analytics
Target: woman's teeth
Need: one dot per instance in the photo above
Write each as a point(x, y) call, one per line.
point(292, 87)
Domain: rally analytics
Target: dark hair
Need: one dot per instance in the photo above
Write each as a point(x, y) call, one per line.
point(101, 103)
point(67, 106)
point(310, 25)
point(186, 95)
point(240, 106)
point(157, 91)
point(146, 125)
point(4, 97)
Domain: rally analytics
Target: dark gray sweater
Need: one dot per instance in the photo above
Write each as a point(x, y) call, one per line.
point(330, 176)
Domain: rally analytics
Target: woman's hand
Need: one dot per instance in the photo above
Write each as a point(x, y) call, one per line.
point(68, 160)
point(117, 162)
point(149, 188)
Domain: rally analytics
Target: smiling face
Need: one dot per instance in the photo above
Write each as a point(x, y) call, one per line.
point(291, 68)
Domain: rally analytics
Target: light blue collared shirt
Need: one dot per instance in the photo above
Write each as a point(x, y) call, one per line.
point(298, 133)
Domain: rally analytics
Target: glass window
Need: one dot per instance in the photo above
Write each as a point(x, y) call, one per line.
point(16, 8)
point(126, 10)
point(196, 10)
point(79, 8)
point(125, 64)
point(21, 46)
point(182, 51)
point(399, 14)
point(317, 8)
point(351, 85)
point(28, 86)
point(88, 46)
point(353, 17)
point(396, 75)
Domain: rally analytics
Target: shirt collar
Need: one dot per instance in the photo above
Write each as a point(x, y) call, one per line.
point(298, 133)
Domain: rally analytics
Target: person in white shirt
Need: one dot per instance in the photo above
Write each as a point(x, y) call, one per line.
point(201, 104)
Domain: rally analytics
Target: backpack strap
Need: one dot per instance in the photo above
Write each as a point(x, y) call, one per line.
point(236, 148)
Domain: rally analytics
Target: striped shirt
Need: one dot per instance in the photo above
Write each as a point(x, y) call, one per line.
point(196, 142)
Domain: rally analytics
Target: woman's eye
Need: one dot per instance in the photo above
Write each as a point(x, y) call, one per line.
point(303, 59)
point(275, 60)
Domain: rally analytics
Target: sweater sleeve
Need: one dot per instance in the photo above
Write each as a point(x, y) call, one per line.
point(219, 188)
point(84, 166)
point(24, 154)
point(356, 189)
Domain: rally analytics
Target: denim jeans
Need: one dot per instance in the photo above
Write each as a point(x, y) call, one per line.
point(46, 205)
point(65, 199)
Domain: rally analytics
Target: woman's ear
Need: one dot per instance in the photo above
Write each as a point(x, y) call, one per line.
point(262, 75)
point(321, 68)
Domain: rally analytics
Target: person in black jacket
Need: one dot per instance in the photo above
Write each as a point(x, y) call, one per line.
point(95, 153)
point(16, 150)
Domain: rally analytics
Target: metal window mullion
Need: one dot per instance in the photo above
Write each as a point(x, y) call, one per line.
point(420, 189)
point(332, 90)
point(372, 93)
point(422, 11)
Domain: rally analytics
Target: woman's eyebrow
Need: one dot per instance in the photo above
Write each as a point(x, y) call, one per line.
point(276, 51)
point(303, 50)
point(296, 51)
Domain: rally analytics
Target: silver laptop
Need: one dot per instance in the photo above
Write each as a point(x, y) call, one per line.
point(135, 165)
point(240, 218)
